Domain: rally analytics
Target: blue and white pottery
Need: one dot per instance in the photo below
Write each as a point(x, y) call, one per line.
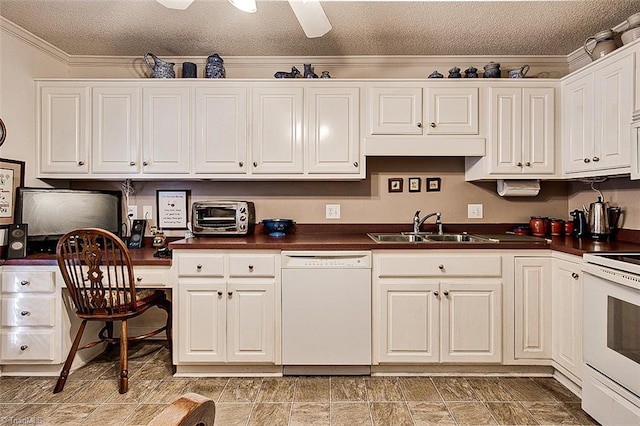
point(215, 67)
point(158, 67)
point(471, 72)
point(325, 74)
point(436, 74)
point(492, 70)
point(455, 73)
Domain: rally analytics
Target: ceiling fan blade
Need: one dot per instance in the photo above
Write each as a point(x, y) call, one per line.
point(311, 16)
point(175, 4)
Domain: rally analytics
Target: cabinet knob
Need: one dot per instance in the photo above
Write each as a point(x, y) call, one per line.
point(575, 276)
point(24, 347)
point(80, 163)
point(230, 293)
point(255, 164)
point(432, 124)
point(441, 267)
point(519, 164)
point(355, 164)
point(586, 160)
point(219, 293)
point(138, 279)
point(250, 268)
point(132, 163)
point(419, 125)
point(199, 267)
point(24, 282)
point(528, 164)
point(596, 159)
point(446, 293)
point(241, 164)
point(145, 163)
point(25, 313)
point(436, 294)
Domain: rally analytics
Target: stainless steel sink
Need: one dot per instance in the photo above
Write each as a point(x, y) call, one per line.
point(405, 237)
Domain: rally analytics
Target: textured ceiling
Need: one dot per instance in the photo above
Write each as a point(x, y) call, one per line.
point(133, 27)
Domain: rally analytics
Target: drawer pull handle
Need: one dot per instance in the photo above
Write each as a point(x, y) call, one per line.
point(250, 268)
point(25, 313)
point(441, 267)
point(446, 293)
point(24, 347)
point(574, 276)
point(25, 282)
point(199, 267)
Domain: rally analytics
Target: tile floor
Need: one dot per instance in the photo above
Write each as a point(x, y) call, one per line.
point(91, 397)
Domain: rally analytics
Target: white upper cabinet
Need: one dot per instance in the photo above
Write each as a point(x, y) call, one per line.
point(597, 108)
point(333, 130)
point(277, 129)
point(166, 129)
point(220, 135)
point(115, 136)
point(418, 118)
point(64, 129)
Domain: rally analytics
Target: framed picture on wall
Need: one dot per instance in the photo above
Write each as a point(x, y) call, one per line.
point(434, 184)
point(11, 177)
point(173, 208)
point(395, 184)
point(414, 184)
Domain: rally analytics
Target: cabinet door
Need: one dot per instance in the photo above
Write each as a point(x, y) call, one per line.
point(635, 150)
point(408, 322)
point(64, 130)
point(277, 130)
point(567, 316)
point(333, 135)
point(471, 321)
point(166, 130)
point(251, 322)
point(578, 125)
point(538, 130)
point(221, 130)
point(395, 110)
point(201, 328)
point(115, 141)
point(452, 111)
point(532, 308)
point(506, 130)
point(613, 106)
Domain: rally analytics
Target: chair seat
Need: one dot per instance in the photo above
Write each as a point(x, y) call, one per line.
point(120, 298)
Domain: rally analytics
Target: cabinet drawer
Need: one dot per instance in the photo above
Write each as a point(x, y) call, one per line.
point(150, 278)
point(28, 311)
point(439, 266)
point(252, 265)
point(31, 346)
point(201, 265)
point(28, 282)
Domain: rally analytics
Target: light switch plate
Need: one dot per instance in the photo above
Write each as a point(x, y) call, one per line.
point(332, 211)
point(474, 211)
point(132, 211)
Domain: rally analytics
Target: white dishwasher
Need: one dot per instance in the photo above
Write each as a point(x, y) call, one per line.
point(326, 312)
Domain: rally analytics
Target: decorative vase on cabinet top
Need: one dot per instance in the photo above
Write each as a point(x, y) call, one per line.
point(215, 67)
point(492, 70)
point(605, 43)
point(160, 68)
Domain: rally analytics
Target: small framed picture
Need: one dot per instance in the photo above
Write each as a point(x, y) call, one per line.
point(415, 183)
point(433, 184)
point(395, 184)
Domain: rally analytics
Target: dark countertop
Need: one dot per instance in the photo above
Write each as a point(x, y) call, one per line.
point(354, 237)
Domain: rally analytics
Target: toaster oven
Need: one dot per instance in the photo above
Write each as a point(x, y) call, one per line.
point(223, 217)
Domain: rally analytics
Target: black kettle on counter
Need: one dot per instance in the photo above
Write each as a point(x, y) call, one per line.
point(580, 225)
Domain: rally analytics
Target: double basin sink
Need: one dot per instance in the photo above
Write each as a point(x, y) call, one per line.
point(411, 237)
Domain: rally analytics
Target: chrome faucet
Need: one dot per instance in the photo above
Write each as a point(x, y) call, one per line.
point(417, 222)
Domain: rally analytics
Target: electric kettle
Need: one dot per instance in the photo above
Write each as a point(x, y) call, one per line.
point(580, 226)
point(599, 220)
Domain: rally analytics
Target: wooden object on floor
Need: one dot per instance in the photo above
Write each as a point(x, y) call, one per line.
point(97, 269)
point(191, 409)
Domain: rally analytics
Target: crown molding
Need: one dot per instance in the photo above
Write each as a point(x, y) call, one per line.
point(9, 28)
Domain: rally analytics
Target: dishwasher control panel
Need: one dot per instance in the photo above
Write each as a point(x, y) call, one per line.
point(326, 259)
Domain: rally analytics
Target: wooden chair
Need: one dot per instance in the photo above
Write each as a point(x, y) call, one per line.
point(97, 269)
point(191, 409)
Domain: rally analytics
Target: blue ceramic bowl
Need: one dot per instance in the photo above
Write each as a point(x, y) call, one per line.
point(278, 227)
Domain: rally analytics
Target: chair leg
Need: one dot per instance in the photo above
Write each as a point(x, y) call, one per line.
point(72, 353)
point(124, 361)
point(109, 326)
point(166, 306)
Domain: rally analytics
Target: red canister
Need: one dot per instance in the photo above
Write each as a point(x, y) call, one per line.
point(568, 228)
point(557, 227)
point(536, 223)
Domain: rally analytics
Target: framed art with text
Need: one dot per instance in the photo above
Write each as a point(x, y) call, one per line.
point(11, 177)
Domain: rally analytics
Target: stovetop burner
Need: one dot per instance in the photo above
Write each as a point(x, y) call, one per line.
point(624, 257)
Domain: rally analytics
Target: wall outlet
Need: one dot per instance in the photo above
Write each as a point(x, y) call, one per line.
point(132, 212)
point(147, 213)
point(474, 211)
point(332, 211)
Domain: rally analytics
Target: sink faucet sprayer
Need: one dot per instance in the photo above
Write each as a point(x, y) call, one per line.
point(417, 222)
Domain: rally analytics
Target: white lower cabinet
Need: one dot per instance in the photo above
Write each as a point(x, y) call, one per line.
point(228, 307)
point(441, 307)
point(567, 316)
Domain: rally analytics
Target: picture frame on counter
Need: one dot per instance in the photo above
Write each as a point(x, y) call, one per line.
point(434, 184)
point(415, 184)
point(395, 184)
point(173, 208)
point(11, 177)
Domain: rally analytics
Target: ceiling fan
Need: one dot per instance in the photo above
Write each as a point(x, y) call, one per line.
point(310, 13)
